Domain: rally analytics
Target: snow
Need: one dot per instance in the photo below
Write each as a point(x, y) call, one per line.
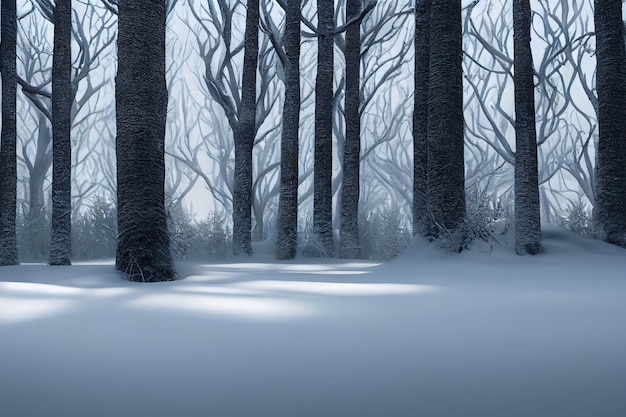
point(483, 333)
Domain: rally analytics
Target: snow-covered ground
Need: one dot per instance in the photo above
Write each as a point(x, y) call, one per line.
point(484, 333)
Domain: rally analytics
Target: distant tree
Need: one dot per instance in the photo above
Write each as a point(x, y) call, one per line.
point(420, 117)
point(446, 171)
point(527, 211)
point(610, 209)
point(286, 242)
point(349, 246)
point(565, 100)
point(213, 27)
point(8, 161)
point(323, 167)
point(61, 228)
point(143, 251)
point(244, 134)
point(92, 34)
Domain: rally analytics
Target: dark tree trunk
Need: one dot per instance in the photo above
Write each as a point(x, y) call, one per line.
point(287, 239)
point(61, 227)
point(610, 208)
point(143, 251)
point(8, 161)
point(349, 245)
point(446, 170)
point(245, 135)
point(420, 118)
point(527, 214)
point(323, 173)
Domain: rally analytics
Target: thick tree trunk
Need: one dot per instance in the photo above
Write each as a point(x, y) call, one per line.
point(8, 161)
point(527, 214)
point(287, 239)
point(244, 137)
point(610, 209)
point(61, 228)
point(143, 251)
point(349, 245)
point(446, 171)
point(420, 118)
point(323, 173)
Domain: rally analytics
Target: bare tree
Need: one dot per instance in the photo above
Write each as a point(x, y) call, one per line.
point(61, 231)
point(446, 167)
point(420, 116)
point(349, 231)
point(143, 252)
point(324, 92)
point(527, 219)
point(244, 135)
point(565, 106)
point(610, 209)
point(8, 175)
point(219, 40)
point(93, 34)
point(287, 236)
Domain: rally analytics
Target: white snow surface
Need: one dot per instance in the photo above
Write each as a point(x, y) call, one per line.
point(482, 333)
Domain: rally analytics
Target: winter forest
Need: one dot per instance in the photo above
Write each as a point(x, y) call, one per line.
point(331, 157)
point(316, 179)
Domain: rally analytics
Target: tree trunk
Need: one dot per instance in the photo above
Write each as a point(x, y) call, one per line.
point(8, 161)
point(36, 238)
point(37, 232)
point(420, 118)
point(323, 172)
point(244, 137)
point(61, 228)
point(349, 245)
point(446, 169)
point(287, 239)
point(610, 209)
point(527, 214)
point(143, 251)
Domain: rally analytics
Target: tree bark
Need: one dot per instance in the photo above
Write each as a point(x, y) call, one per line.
point(446, 169)
point(244, 137)
point(349, 245)
point(287, 239)
point(610, 209)
point(527, 212)
point(143, 251)
point(61, 227)
point(323, 166)
point(420, 118)
point(8, 156)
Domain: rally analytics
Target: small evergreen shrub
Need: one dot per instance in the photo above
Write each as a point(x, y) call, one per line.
point(487, 217)
point(210, 237)
point(94, 232)
point(577, 218)
point(384, 234)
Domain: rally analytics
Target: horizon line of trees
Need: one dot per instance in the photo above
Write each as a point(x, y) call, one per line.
point(438, 129)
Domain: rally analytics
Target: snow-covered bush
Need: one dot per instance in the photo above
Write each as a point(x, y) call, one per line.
point(33, 236)
point(309, 243)
point(210, 237)
point(487, 217)
point(384, 234)
point(94, 232)
point(487, 214)
point(577, 218)
point(180, 227)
